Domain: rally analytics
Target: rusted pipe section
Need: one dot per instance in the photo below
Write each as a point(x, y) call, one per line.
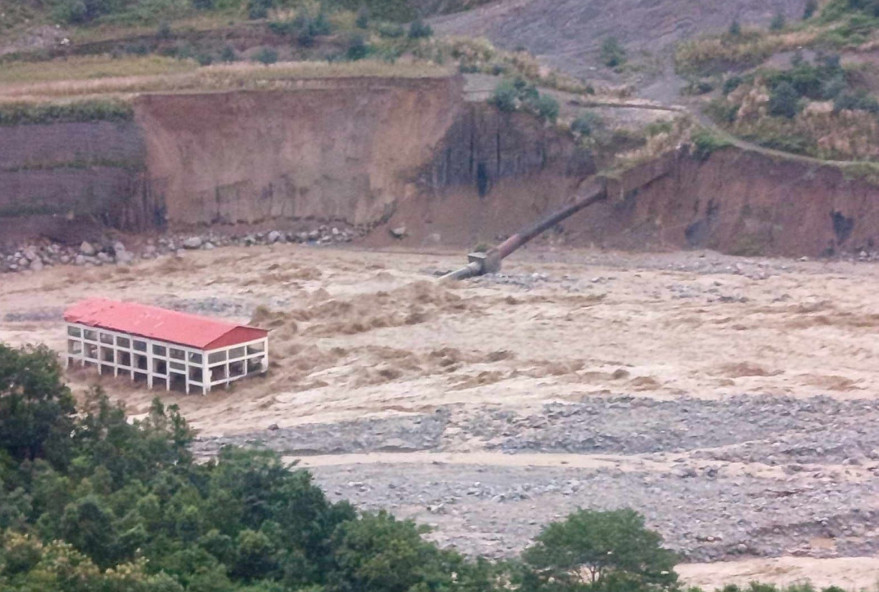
point(490, 261)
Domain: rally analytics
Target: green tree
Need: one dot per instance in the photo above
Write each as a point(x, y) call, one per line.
point(418, 29)
point(735, 29)
point(88, 525)
point(610, 551)
point(378, 553)
point(810, 9)
point(505, 96)
point(357, 48)
point(587, 123)
point(784, 101)
point(613, 54)
point(266, 56)
point(547, 108)
point(259, 9)
point(36, 408)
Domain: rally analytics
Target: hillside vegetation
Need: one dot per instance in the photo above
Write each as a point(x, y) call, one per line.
point(806, 87)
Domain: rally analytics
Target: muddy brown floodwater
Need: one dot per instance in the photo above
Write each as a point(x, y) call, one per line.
point(732, 401)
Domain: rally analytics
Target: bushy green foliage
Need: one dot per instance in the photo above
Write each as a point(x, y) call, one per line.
point(784, 100)
point(735, 29)
point(732, 83)
point(856, 101)
point(586, 124)
point(613, 54)
point(83, 11)
point(79, 111)
point(304, 28)
point(36, 409)
point(706, 143)
point(505, 96)
point(418, 29)
point(810, 9)
point(869, 6)
point(259, 9)
point(266, 56)
point(95, 502)
point(547, 108)
point(820, 81)
point(357, 48)
point(512, 95)
point(722, 111)
point(600, 551)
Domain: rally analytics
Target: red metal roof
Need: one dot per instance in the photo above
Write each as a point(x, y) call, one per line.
point(160, 324)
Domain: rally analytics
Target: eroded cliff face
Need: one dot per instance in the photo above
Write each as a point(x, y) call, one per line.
point(342, 150)
point(741, 203)
point(491, 173)
point(56, 178)
point(386, 153)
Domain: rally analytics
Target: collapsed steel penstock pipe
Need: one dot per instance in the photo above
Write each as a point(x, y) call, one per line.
point(490, 261)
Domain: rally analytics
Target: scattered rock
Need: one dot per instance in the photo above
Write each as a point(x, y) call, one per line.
point(193, 242)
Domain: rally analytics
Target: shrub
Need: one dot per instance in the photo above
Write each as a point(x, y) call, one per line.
point(722, 111)
point(613, 54)
point(305, 38)
point(505, 96)
point(587, 123)
point(821, 81)
point(656, 128)
point(357, 48)
point(228, 54)
point(547, 108)
point(204, 4)
point(732, 83)
point(320, 25)
point(857, 101)
point(418, 29)
point(810, 9)
point(699, 87)
point(735, 29)
point(706, 143)
point(784, 101)
point(266, 56)
point(259, 9)
point(164, 31)
point(778, 22)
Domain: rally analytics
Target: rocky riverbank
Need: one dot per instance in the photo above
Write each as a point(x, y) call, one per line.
point(112, 250)
point(720, 479)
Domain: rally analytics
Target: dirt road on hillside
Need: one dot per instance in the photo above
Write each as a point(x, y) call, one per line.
point(732, 401)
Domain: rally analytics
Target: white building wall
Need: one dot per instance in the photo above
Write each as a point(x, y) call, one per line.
point(160, 362)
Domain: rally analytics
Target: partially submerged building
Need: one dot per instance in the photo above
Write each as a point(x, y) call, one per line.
point(163, 347)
